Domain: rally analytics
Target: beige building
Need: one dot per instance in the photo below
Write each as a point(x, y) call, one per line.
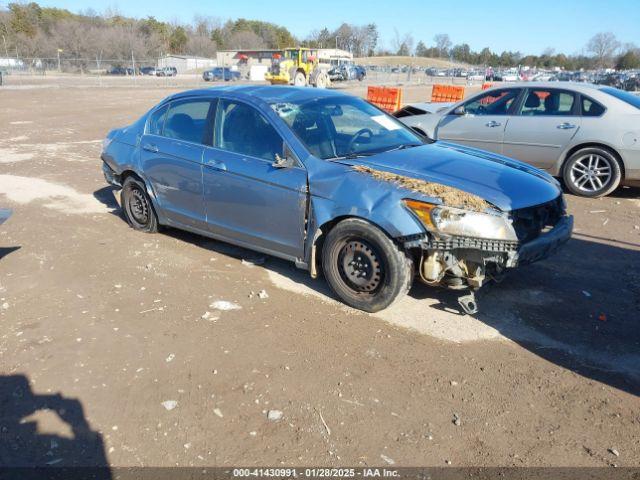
point(186, 63)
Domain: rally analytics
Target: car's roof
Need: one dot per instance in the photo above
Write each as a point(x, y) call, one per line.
point(266, 93)
point(579, 86)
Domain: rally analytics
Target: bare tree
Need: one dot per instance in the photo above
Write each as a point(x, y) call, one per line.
point(443, 44)
point(245, 39)
point(402, 45)
point(201, 46)
point(603, 46)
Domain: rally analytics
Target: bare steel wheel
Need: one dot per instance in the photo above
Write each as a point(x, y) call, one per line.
point(592, 172)
point(360, 266)
point(137, 206)
point(364, 267)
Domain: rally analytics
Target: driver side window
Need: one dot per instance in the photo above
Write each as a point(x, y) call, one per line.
point(242, 129)
point(492, 103)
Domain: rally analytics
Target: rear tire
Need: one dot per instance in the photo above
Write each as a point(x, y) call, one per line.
point(322, 81)
point(592, 172)
point(137, 206)
point(299, 80)
point(364, 267)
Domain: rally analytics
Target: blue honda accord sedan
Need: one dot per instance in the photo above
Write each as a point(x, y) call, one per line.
point(334, 184)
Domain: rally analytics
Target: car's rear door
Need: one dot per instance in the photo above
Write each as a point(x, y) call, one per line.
point(247, 199)
point(484, 120)
point(171, 158)
point(547, 120)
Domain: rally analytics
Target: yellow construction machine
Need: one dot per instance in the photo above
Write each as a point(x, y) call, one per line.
point(297, 66)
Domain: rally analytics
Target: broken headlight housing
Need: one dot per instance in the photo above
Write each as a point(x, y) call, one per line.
point(464, 223)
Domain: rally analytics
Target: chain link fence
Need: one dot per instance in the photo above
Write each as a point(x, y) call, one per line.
point(141, 72)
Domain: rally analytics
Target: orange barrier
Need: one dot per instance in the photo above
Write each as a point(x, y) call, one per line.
point(486, 85)
point(386, 98)
point(447, 93)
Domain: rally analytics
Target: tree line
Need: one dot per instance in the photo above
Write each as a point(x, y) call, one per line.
point(602, 51)
point(29, 30)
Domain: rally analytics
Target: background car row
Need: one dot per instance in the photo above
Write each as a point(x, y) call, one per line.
point(584, 133)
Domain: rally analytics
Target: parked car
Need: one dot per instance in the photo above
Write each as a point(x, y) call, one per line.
point(332, 183)
point(167, 72)
point(220, 73)
point(120, 71)
point(345, 72)
point(361, 72)
point(148, 71)
point(587, 134)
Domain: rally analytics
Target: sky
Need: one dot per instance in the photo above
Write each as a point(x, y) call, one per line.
point(526, 26)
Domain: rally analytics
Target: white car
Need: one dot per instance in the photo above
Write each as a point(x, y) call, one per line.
point(587, 134)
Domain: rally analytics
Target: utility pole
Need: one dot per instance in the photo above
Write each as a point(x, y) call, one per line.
point(6, 50)
point(59, 69)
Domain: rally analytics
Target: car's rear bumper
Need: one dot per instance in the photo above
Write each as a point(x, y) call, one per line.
point(546, 244)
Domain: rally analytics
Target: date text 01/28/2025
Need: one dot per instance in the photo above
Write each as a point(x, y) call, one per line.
point(315, 473)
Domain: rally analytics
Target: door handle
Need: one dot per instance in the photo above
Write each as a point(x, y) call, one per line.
point(492, 124)
point(217, 165)
point(566, 126)
point(149, 147)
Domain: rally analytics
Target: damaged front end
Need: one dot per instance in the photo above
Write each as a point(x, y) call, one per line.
point(463, 249)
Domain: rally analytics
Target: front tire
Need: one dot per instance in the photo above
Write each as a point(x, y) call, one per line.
point(592, 172)
point(364, 267)
point(137, 206)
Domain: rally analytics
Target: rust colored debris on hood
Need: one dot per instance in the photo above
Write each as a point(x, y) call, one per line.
point(450, 196)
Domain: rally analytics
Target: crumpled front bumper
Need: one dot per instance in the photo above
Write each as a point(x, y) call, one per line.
point(111, 177)
point(462, 262)
point(545, 245)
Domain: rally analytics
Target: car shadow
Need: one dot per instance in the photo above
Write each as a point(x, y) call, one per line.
point(27, 450)
point(4, 251)
point(578, 309)
point(626, 192)
point(620, 192)
point(105, 195)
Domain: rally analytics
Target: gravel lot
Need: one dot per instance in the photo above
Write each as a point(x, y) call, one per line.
point(156, 350)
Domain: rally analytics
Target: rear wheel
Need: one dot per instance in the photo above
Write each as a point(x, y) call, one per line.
point(322, 81)
point(592, 172)
point(299, 80)
point(137, 206)
point(364, 267)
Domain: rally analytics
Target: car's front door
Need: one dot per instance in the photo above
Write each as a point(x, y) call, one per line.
point(247, 199)
point(482, 121)
point(171, 157)
point(547, 121)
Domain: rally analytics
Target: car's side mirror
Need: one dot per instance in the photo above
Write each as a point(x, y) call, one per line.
point(459, 110)
point(285, 161)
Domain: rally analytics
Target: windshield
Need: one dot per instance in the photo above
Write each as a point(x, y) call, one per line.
point(340, 127)
point(627, 97)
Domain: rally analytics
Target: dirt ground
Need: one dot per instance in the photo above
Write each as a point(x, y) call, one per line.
point(114, 351)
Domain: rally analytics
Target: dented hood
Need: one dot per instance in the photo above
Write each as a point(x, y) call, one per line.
point(505, 183)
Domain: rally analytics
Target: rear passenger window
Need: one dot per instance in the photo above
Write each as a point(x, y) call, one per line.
point(156, 121)
point(187, 120)
point(548, 102)
point(591, 108)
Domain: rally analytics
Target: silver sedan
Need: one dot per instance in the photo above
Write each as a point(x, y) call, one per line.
point(587, 134)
